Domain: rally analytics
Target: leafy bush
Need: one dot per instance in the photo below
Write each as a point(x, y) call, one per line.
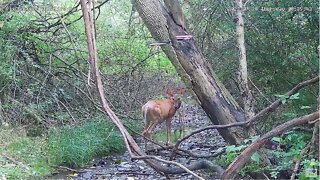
point(292, 144)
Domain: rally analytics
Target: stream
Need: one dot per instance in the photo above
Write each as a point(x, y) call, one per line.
point(120, 167)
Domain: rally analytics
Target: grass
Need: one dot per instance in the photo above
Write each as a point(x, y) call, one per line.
point(76, 146)
point(24, 157)
point(161, 136)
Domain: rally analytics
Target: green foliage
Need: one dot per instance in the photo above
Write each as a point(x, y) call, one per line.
point(281, 44)
point(310, 169)
point(79, 145)
point(294, 143)
point(22, 157)
point(233, 151)
point(284, 98)
point(255, 157)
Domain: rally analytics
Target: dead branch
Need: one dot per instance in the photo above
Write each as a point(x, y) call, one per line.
point(132, 147)
point(272, 107)
point(197, 165)
point(314, 146)
point(67, 168)
point(297, 164)
point(261, 93)
point(189, 153)
point(244, 157)
point(170, 162)
point(262, 113)
point(30, 111)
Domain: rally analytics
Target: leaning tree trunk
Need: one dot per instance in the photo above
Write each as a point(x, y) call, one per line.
point(191, 65)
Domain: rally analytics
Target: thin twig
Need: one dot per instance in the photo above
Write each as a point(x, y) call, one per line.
point(263, 112)
point(169, 162)
point(67, 168)
point(259, 90)
point(297, 164)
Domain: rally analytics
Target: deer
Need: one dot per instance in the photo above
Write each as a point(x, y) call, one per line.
point(158, 111)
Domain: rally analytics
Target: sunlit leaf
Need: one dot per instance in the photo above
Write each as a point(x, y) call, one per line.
point(305, 107)
point(255, 157)
point(295, 96)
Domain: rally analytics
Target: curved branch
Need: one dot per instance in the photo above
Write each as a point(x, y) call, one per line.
point(262, 113)
point(204, 164)
point(272, 107)
point(132, 147)
point(244, 157)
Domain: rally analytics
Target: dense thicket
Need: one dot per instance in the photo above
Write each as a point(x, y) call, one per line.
point(282, 48)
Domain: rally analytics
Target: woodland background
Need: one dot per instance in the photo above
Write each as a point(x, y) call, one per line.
point(48, 101)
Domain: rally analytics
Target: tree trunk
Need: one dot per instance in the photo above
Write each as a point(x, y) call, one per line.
point(243, 70)
point(195, 71)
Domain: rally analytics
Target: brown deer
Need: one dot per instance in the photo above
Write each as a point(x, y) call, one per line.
point(157, 111)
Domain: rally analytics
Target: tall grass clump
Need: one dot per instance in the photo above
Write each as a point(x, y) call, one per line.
point(76, 146)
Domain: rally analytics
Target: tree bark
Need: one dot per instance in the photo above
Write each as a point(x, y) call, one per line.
point(132, 147)
point(194, 69)
point(243, 70)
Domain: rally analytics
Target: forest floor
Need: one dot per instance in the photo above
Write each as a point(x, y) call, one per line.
point(121, 166)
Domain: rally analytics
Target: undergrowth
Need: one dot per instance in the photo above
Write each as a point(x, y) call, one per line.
point(24, 157)
point(76, 146)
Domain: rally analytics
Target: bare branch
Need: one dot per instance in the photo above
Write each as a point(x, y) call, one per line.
point(268, 109)
point(132, 147)
point(298, 161)
point(169, 162)
point(244, 157)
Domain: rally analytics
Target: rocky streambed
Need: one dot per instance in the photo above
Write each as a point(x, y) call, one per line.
point(121, 167)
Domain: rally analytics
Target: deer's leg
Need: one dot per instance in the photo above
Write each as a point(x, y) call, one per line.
point(168, 125)
point(146, 135)
point(151, 127)
point(145, 132)
point(148, 130)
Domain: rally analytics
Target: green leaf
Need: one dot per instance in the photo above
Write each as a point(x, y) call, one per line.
point(231, 148)
point(276, 139)
point(295, 96)
point(283, 98)
point(255, 157)
point(274, 174)
point(231, 156)
point(290, 114)
point(305, 107)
